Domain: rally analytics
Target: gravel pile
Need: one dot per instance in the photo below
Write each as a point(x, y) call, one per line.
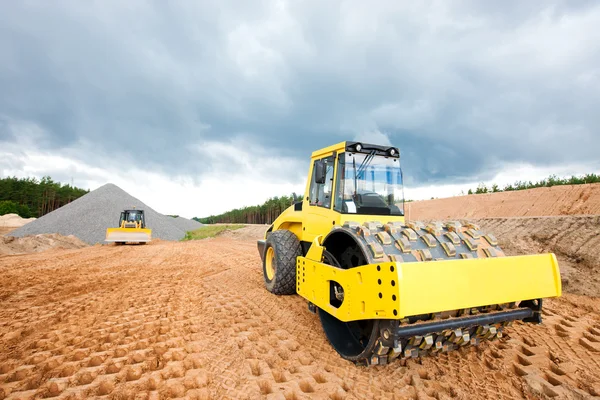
point(186, 224)
point(88, 217)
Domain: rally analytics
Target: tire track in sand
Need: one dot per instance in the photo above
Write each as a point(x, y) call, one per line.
point(194, 320)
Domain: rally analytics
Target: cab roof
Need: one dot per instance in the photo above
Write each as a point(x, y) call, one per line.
point(351, 146)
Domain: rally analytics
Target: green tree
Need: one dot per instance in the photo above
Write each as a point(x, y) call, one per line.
point(37, 198)
point(481, 189)
point(260, 214)
point(8, 207)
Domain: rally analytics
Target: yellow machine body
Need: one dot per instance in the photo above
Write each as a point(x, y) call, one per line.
point(385, 287)
point(132, 228)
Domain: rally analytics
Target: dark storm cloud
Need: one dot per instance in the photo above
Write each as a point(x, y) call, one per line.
point(462, 90)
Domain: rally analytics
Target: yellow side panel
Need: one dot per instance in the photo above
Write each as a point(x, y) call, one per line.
point(360, 285)
point(289, 219)
point(319, 221)
point(455, 284)
point(294, 227)
point(396, 290)
point(368, 218)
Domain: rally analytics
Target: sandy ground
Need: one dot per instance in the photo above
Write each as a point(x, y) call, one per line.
point(4, 230)
point(249, 232)
point(193, 320)
point(556, 200)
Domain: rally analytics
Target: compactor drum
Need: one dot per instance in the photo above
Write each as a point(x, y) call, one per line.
point(132, 229)
point(387, 288)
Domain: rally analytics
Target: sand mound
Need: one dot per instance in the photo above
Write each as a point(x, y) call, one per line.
point(248, 232)
point(88, 217)
point(556, 200)
point(37, 243)
point(13, 221)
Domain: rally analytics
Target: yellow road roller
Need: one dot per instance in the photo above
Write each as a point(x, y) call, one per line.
point(387, 288)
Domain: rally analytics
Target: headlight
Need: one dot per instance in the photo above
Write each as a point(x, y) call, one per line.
point(358, 147)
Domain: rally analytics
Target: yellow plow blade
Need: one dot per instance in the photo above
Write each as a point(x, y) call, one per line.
point(392, 290)
point(128, 235)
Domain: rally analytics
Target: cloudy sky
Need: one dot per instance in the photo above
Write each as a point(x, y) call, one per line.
point(198, 107)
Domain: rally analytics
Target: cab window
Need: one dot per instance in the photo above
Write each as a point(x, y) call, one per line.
point(320, 194)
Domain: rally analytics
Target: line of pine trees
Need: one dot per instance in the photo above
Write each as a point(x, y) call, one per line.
point(552, 180)
point(262, 214)
point(30, 197)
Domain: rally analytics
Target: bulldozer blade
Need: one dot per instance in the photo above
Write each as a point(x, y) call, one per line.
point(126, 235)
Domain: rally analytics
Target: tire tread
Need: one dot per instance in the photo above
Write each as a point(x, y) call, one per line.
point(287, 247)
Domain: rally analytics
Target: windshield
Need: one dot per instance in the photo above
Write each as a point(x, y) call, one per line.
point(134, 216)
point(369, 184)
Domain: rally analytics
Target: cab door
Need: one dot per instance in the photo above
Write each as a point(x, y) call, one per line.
point(319, 216)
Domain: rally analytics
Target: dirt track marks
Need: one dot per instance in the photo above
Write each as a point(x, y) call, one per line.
point(194, 320)
point(556, 358)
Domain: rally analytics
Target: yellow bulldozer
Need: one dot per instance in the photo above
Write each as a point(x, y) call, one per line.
point(132, 229)
point(387, 288)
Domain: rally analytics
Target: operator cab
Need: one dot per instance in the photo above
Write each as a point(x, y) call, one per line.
point(368, 181)
point(130, 218)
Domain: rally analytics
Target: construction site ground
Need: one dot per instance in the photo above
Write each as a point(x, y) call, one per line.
point(193, 320)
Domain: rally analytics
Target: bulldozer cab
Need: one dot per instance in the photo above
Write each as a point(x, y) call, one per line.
point(132, 219)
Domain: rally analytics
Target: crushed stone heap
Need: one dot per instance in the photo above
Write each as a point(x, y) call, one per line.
point(89, 216)
point(186, 224)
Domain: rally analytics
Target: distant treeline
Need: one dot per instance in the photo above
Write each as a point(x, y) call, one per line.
point(552, 180)
point(30, 197)
point(263, 214)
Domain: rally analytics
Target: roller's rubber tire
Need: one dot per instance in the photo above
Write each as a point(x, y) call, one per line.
point(282, 248)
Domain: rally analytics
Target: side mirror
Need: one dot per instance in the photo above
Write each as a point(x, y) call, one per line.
point(320, 172)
